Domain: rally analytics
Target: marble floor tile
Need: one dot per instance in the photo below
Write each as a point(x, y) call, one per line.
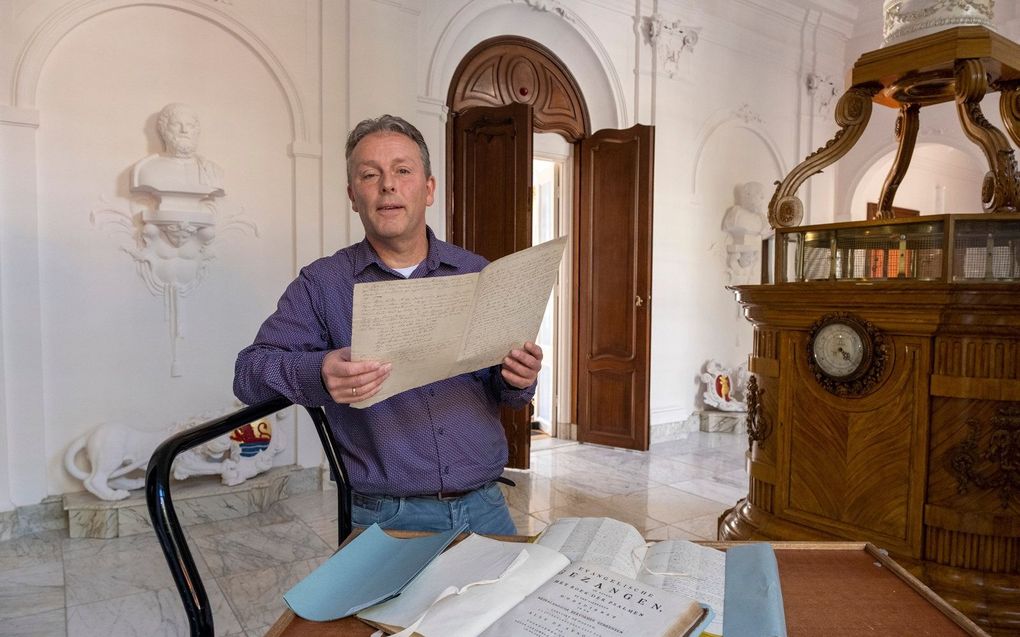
point(157, 612)
point(672, 532)
point(632, 515)
point(254, 549)
point(712, 489)
point(257, 596)
point(30, 590)
point(526, 523)
point(32, 549)
point(666, 504)
point(705, 527)
point(50, 623)
point(122, 567)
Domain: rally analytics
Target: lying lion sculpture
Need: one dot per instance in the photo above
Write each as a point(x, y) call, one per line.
point(116, 451)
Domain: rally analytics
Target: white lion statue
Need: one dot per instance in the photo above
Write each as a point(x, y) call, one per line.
point(118, 454)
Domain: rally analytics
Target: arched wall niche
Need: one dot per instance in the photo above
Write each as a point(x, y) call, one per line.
point(563, 33)
point(880, 160)
point(32, 59)
point(721, 125)
point(508, 69)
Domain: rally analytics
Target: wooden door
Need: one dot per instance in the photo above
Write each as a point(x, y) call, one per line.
point(490, 211)
point(613, 241)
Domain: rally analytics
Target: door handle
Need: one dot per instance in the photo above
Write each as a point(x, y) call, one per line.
point(638, 302)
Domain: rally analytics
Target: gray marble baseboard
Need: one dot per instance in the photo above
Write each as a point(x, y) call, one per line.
point(196, 500)
point(48, 515)
point(722, 421)
point(665, 431)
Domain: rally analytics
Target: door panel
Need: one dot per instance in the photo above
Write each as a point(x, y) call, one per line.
point(613, 242)
point(490, 211)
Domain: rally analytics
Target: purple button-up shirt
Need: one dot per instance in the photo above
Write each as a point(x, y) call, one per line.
point(445, 436)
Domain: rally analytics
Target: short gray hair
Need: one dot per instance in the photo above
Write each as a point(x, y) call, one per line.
point(387, 124)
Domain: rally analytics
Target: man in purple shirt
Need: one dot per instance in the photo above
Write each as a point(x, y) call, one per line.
point(427, 458)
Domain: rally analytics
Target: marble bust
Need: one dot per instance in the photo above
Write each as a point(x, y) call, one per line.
point(182, 181)
point(746, 224)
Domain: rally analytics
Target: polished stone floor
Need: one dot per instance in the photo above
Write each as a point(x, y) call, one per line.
point(52, 585)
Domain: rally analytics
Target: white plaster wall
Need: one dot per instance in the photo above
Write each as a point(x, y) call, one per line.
point(114, 364)
point(89, 341)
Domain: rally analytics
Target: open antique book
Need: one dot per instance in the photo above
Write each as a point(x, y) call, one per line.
point(582, 577)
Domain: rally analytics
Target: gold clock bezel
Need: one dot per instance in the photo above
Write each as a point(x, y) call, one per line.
point(865, 377)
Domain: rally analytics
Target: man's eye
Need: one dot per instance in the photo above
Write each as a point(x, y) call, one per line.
point(369, 175)
point(404, 171)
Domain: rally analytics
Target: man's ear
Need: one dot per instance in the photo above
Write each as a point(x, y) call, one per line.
point(430, 185)
point(350, 195)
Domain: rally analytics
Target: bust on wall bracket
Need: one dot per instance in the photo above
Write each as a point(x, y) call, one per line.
point(173, 218)
point(846, 354)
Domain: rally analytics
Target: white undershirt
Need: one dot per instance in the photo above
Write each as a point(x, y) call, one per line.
point(406, 272)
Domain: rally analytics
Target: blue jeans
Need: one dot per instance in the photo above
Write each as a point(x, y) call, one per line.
point(484, 510)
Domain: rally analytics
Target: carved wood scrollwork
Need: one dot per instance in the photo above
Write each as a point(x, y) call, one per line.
point(1000, 191)
point(508, 69)
point(852, 114)
point(758, 427)
point(1000, 468)
point(907, 125)
point(1009, 108)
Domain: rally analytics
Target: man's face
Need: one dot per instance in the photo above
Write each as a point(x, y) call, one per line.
point(181, 133)
point(389, 190)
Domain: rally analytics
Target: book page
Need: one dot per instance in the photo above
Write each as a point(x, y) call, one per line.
point(601, 541)
point(698, 572)
point(513, 293)
point(586, 600)
point(474, 559)
point(416, 324)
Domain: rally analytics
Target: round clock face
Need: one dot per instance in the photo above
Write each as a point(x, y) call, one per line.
point(839, 350)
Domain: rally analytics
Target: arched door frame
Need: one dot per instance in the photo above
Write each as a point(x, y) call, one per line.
point(508, 69)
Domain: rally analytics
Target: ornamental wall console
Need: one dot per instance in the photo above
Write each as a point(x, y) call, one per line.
point(173, 217)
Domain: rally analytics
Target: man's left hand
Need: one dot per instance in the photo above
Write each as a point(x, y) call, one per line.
point(521, 366)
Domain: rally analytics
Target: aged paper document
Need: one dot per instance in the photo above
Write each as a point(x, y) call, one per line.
point(435, 328)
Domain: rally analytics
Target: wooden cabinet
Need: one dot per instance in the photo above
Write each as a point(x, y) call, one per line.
point(923, 461)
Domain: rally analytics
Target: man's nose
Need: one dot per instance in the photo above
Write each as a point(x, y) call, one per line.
point(388, 183)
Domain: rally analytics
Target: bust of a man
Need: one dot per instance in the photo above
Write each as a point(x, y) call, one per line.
point(179, 176)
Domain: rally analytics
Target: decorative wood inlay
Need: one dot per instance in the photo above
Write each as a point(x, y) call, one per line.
point(852, 114)
point(1000, 460)
point(907, 125)
point(976, 357)
point(766, 343)
point(758, 427)
point(762, 495)
point(1000, 191)
point(509, 69)
point(959, 549)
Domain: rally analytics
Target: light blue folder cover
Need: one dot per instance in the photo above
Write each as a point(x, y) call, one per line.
point(371, 569)
point(754, 602)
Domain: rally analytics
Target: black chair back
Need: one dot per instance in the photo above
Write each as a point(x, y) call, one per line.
point(168, 527)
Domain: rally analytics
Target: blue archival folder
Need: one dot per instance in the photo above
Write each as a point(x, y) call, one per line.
point(754, 602)
point(372, 568)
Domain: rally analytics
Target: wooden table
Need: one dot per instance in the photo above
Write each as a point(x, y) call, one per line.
point(830, 589)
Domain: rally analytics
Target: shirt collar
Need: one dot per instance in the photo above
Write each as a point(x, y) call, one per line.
point(439, 252)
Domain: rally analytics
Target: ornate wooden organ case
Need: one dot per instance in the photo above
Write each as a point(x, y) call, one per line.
point(885, 398)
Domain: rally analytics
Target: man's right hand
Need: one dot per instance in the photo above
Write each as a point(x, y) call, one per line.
point(350, 382)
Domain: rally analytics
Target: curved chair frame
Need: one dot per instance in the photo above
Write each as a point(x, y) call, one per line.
point(168, 527)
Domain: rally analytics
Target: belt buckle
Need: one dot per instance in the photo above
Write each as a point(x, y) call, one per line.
point(445, 497)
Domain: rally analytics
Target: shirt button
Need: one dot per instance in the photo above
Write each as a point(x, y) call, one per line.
point(432, 392)
point(440, 431)
point(446, 470)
